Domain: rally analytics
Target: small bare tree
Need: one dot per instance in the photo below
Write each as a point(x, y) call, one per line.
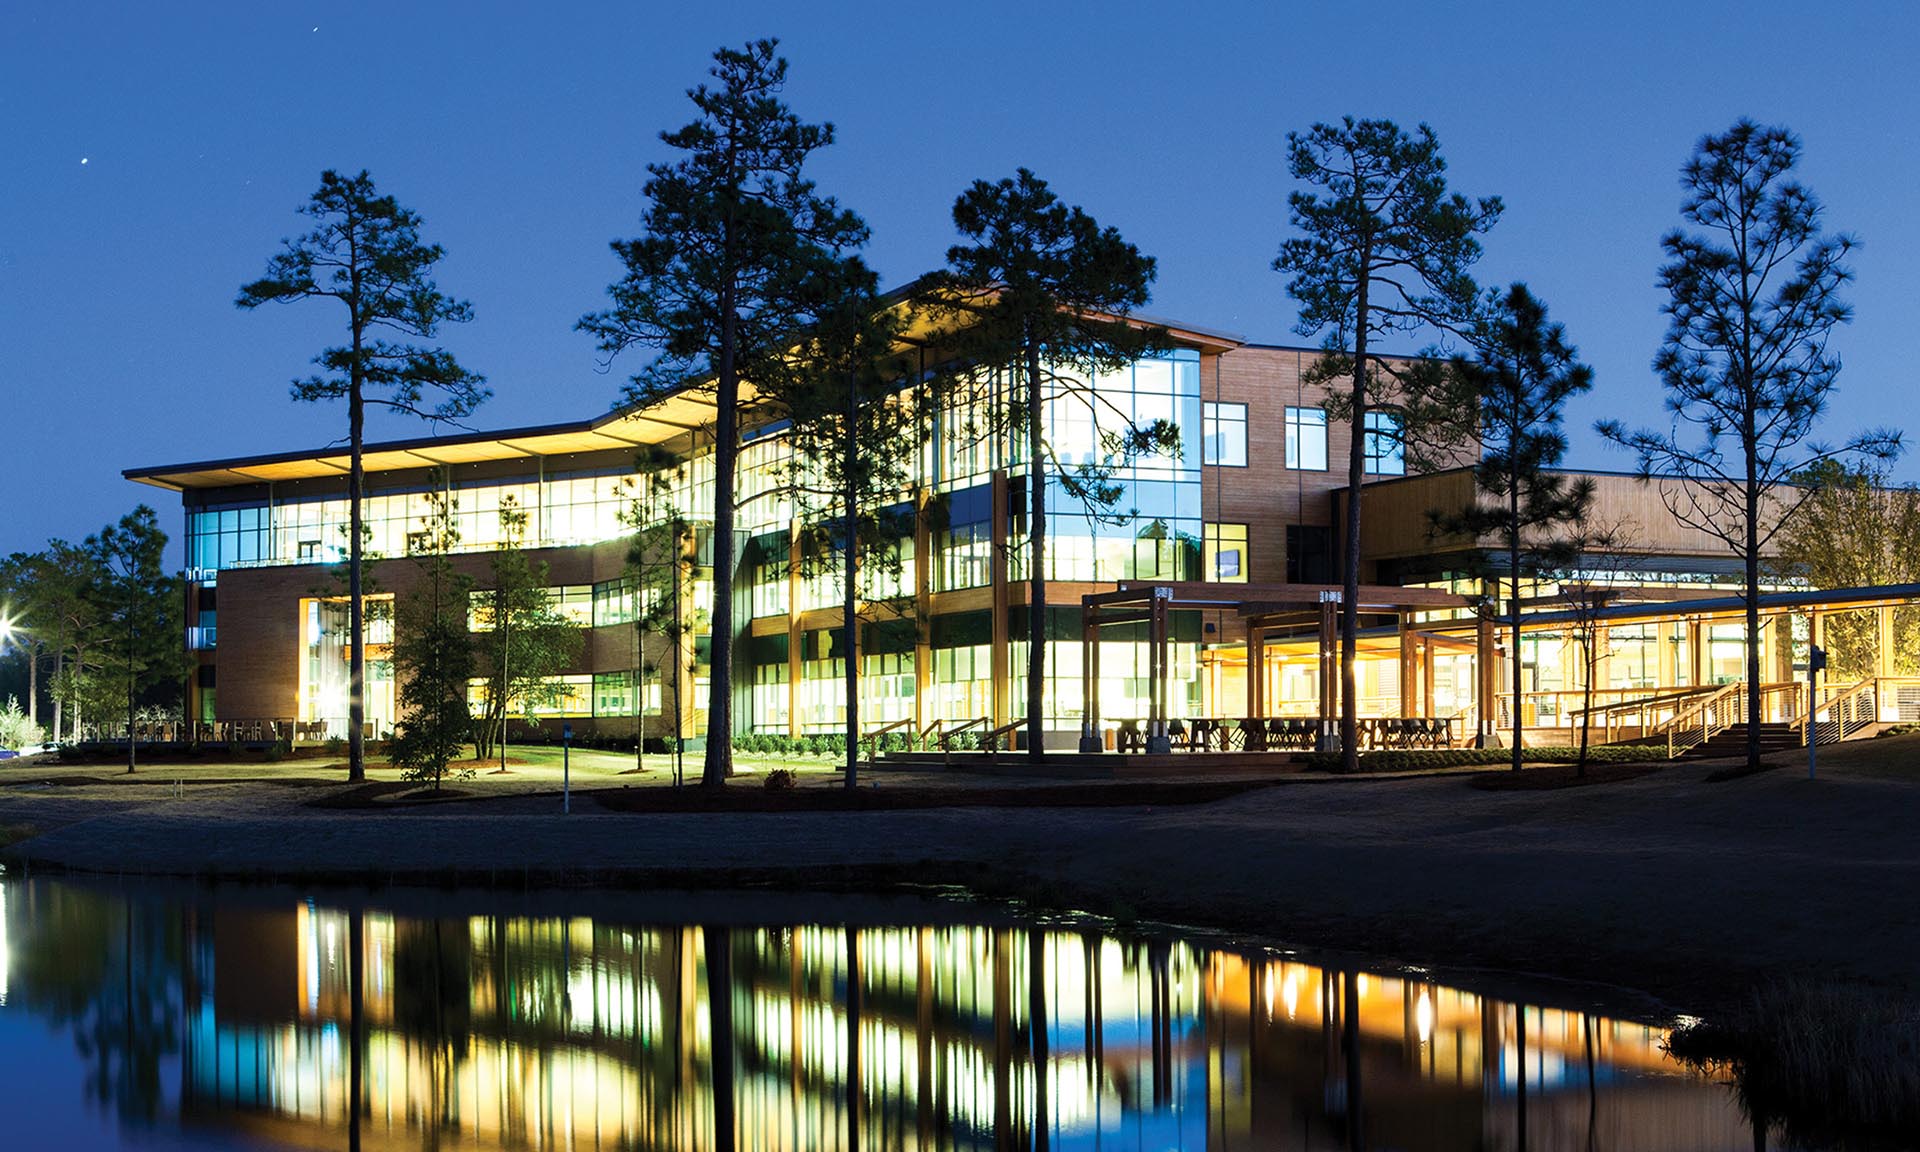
point(1588, 588)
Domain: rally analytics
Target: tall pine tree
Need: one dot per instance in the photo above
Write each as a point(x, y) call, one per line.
point(1514, 390)
point(1383, 248)
point(1042, 295)
point(365, 251)
point(723, 279)
point(1753, 298)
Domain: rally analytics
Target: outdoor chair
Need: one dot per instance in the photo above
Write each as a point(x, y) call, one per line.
point(1253, 734)
point(1177, 734)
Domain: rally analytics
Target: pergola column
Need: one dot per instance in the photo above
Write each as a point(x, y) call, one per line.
point(1883, 647)
point(1409, 666)
point(1157, 647)
point(1486, 675)
point(1328, 676)
point(1090, 679)
point(1256, 669)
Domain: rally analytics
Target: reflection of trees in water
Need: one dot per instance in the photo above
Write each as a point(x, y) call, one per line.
point(433, 1003)
point(1015, 1036)
point(107, 969)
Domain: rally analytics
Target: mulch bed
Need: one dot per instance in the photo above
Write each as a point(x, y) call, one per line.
point(1550, 776)
point(386, 794)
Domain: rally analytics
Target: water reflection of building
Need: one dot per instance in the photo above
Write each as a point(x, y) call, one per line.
point(546, 1033)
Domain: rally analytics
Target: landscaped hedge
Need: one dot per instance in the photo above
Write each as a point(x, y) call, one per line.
point(1419, 759)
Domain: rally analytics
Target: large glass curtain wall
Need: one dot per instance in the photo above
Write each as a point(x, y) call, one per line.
point(562, 508)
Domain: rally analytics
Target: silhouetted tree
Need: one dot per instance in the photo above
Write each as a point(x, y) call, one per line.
point(432, 653)
point(854, 443)
point(140, 609)
point(722, 281)
point(366, 253)
point(1383, 248)
point(1752, 299)
point(1513, 391)
point(1856, 528)
point(528, 642)
point(1042, 295)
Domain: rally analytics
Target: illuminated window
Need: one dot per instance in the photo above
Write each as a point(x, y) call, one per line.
point(1386, 452)
point(1226, 559)
point(1307, 439)
point(1225, 434)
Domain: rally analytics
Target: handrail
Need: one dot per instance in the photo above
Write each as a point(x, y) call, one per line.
point(1847, 712)
point(1679, 730)
point(1659, 697)
point(873, 737)
point(990, 741)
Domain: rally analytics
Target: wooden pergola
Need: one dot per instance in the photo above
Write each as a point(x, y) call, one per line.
point(1264, 607)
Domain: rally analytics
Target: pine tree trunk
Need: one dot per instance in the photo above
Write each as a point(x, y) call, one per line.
point(1519, 671)
point(847, 604)
point(1037, 562)
point(1350, 578)
point(1752, 582)
point(719, 756)
point(356, 610)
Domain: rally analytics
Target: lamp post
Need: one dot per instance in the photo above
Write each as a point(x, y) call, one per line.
point(1816, 661)
point(566, 774)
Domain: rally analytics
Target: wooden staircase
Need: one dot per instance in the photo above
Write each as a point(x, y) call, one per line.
point(1732, 741)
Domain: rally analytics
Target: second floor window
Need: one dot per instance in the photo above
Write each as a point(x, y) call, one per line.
point(1386, 453)
point(1307, 439)
point(1225, 434)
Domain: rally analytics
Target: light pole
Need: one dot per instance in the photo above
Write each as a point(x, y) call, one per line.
point(1816, 660)
point(566, 774)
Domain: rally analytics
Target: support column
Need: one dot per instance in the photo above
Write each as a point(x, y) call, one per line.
point(1089, 679)
point(1486, 674)
point(1883, 646)
point(1426, 677)
point(1001, 658)
point(1157, 642)
point(795, 637)
point(1697, 639)
point(1409, 667)
point(922, 614)
point(1328, 672)
point(1256, 669)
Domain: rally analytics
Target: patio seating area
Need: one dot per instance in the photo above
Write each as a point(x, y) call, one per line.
point(1283, 734)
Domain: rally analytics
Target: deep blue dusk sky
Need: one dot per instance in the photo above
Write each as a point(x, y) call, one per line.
point(152, 156)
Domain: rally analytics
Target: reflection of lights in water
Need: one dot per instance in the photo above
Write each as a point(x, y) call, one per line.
point(1423, 1016)
point(1269, 992)
point(6, 953)
point(1290, 993)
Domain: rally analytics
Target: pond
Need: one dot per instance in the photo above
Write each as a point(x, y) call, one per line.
point(266, 1018)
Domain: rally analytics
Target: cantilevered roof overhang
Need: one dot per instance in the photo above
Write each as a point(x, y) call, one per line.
point(656, 423)
point(676, 414)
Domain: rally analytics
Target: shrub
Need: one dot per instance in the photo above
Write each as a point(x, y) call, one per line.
point(777, 780)
point(15, 731)
point(336, 746)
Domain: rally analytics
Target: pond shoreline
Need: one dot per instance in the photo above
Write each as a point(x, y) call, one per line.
point(1693, 892)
